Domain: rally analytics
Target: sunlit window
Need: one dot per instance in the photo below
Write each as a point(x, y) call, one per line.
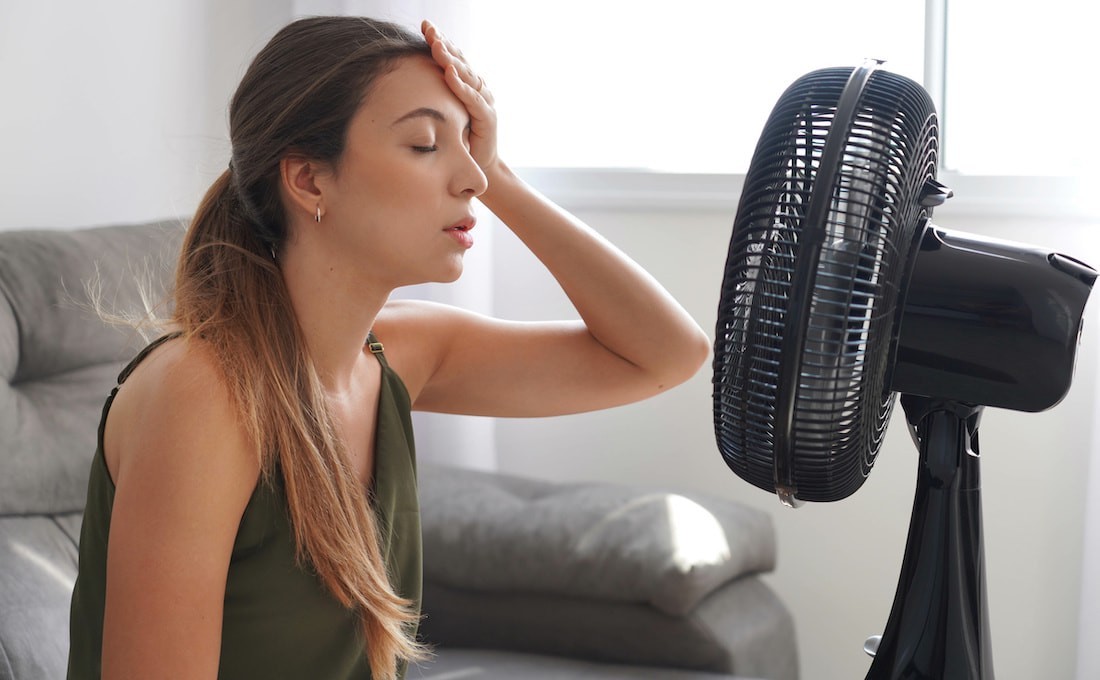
point(584, 83)
point(1022, 94)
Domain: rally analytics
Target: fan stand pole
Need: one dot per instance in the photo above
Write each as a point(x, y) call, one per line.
point(939, 623)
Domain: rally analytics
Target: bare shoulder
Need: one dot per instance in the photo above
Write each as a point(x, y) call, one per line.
point(183, 475)
point(396, 315)
point(175, 407)
point(414, 334)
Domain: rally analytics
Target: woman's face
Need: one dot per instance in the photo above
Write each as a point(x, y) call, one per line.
point(400, 200)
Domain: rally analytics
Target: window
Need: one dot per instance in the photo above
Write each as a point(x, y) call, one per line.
point(582, 83)
point(1021, 95)
point(610, 84)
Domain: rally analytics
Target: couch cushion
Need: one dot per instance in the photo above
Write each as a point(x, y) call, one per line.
point(483, 664)
point(742, 628)
point(58, 358)
point(499, 533)
point(37, 571)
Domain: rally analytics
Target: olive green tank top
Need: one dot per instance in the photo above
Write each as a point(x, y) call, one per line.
point(279, 621)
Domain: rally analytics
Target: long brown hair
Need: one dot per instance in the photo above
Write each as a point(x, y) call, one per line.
point(298, 96)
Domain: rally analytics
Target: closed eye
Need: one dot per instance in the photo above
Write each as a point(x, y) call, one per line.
point(425, 149)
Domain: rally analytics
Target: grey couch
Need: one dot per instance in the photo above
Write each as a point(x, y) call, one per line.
point(524, 578)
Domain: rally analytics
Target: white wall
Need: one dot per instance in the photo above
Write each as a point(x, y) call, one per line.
point(1088, 638)
point(115, 110)
point(838, 563)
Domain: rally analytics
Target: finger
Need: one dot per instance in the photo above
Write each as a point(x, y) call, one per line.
point(461, 85)
point(433, 35)
point(446, 58)
point(453, 48)
point(430, 31)
point(438, 35)
point(479, 102)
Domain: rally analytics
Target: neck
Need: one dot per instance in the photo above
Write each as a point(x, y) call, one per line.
point(335, 306)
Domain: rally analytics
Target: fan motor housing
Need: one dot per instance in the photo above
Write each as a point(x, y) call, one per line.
point(990, 322)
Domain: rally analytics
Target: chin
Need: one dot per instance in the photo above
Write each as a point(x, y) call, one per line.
point(454, 270)
point(450, 275)
point(452, 278)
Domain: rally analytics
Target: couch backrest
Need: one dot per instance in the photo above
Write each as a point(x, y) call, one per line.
point(59, 359)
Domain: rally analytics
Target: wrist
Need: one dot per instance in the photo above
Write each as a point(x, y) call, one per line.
point(499, 177)
point(498, 169)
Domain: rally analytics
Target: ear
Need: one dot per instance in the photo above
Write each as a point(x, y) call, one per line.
point(301, 188)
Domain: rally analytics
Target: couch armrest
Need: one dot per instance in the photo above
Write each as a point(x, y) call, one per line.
point(499, 533)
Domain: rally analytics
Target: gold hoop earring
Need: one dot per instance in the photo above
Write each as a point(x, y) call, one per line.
point(318, 215)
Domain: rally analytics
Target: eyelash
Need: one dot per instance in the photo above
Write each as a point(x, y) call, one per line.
point(425, 149)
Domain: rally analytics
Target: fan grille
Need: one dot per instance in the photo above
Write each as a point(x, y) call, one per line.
point(860, 250)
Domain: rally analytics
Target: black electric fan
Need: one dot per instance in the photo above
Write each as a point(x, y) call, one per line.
point(839, 293)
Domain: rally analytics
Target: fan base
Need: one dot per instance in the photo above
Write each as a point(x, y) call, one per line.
point(939, 624)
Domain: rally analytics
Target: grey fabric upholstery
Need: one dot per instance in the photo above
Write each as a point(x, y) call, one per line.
point(624, 594)
point(58, 361)
point(57, 357)
point(485, 664)
point(37, 572)
point(498, 533)
point(742, 628)
point(602, 572)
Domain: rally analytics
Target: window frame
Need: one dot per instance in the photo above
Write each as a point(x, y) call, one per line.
point(987, 197)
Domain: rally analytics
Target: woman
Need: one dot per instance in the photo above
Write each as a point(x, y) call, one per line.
point(255, 472)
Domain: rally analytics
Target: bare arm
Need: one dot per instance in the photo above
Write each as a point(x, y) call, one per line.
point(183, 476)
point(624, 309)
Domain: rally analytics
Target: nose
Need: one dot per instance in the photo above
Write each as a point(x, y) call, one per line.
point(469, 180)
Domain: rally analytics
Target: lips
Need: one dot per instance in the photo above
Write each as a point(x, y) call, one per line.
point(460, 231)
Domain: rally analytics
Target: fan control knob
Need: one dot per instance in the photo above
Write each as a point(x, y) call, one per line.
point(871, 645)
point(934, 193)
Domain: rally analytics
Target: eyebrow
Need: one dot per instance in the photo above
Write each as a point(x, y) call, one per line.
point(424, 112)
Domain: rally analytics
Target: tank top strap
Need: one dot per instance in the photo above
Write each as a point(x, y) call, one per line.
point(144, 353)
point(376, 349)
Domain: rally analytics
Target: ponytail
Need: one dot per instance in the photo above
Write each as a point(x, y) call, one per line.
point(230, 296)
